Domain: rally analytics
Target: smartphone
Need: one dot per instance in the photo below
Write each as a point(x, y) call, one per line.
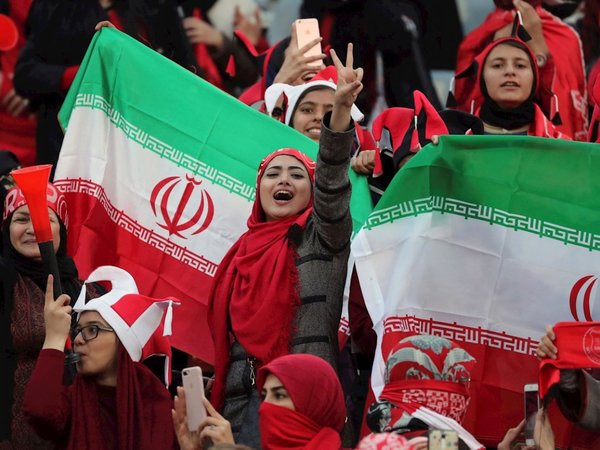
point(532, 405)
point(193, 384)
point(306, 31)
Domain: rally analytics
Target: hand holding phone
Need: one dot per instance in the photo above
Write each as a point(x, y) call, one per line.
point(193, 384)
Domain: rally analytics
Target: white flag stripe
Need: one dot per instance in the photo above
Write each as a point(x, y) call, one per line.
point(442, 267)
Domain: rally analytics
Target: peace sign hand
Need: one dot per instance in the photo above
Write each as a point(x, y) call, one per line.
point(349, 82)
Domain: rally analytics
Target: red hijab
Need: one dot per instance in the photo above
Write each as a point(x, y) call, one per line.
point(317, 395)
point(254, 294)
point(143, 409)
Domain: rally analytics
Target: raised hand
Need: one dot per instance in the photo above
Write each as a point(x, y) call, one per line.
point(349, 85)
point(364, 162)
point(349, 82)
point(57, 317)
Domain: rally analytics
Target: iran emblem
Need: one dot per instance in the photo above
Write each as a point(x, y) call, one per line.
point(183, 209)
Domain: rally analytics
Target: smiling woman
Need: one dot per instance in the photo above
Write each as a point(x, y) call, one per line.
point(279, 288)
point(307, 104)
point(22, 285)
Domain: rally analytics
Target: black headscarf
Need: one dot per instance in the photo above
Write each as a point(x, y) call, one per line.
point(13, 264)
point(509, 119)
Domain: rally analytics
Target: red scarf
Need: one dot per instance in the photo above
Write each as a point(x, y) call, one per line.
point(281, 428)
point(254, 294)
point(578, 346)
point(143, 409)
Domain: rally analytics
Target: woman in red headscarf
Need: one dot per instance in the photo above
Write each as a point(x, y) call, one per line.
point(508, 79)
point(558, 53)
point(279, 288)
point(303, 408)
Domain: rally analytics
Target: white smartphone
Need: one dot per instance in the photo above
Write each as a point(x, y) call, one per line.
point(532, 405)
point(306, 31)
point(193, 384)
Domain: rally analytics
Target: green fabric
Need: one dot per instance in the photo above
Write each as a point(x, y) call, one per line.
point(542, 181)
point(189, 122)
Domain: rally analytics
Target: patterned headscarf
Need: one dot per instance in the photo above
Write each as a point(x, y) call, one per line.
point(422, 371)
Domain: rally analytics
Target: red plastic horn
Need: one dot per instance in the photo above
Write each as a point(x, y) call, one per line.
point(33, 182)
point(9, 35)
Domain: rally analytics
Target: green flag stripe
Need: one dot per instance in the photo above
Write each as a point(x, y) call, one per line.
point(164, 150)
point(550, 180)
point(493, 216)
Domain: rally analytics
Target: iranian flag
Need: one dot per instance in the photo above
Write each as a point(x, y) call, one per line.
point(484, 240)
point(159, 170)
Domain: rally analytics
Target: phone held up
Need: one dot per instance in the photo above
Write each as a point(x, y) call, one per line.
point(442, 440)
point(532, 405)
point(306, 31)
point(193, 384)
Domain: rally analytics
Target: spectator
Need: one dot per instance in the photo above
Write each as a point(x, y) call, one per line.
point(507, 78)
point(557, 52)
point(303, 407)
point(307, 103)
point(114, 399)
point(213, 48)
point(298, 234)
point(23, 282)
point(59, 35)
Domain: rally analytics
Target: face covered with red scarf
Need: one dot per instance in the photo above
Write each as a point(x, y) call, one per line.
point(303, 404)
point(285, 180)
point(422, 371)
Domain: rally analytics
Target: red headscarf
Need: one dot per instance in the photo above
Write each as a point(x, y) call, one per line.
point(320, 410)
point(254, 291)
point(143, 409)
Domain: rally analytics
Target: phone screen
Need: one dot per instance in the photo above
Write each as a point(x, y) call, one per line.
point(531, 409)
